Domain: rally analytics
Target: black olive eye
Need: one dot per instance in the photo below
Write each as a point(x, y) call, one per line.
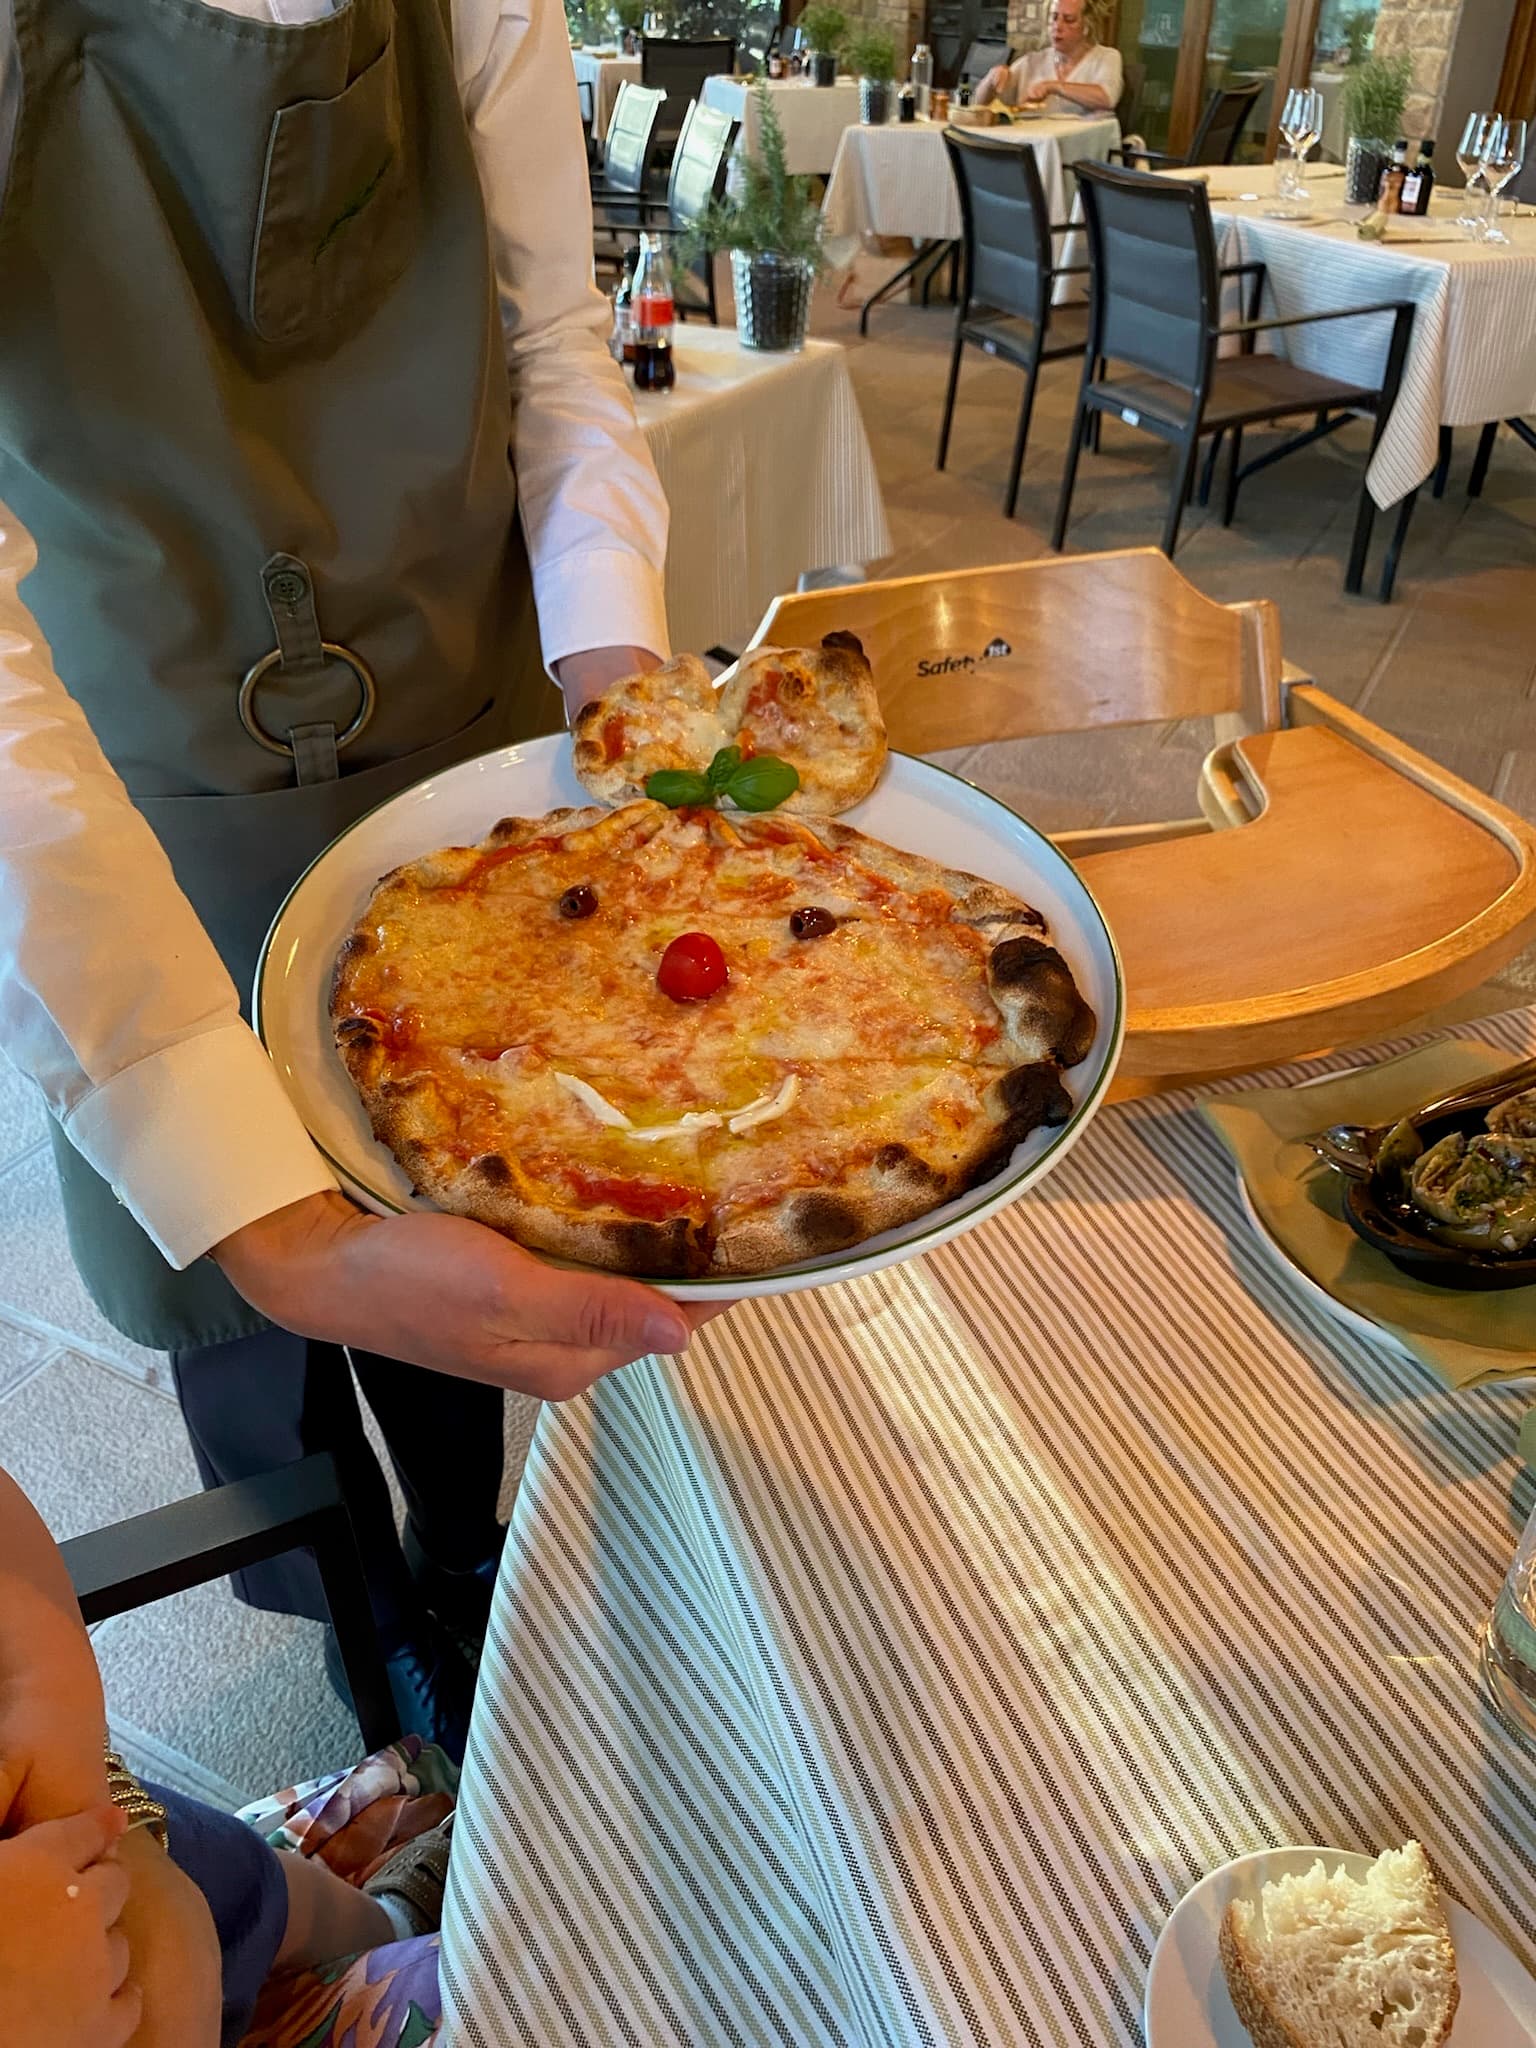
point(811, 923)
point(578, 902)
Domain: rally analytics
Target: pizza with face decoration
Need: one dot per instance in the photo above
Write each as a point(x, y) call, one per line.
point(694, 1042)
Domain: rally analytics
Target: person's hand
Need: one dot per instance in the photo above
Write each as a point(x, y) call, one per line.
point(52, 1719)
point(993, 84)
point(443, 1292)
point(585, 676)
point(63, 1960)
point(173, 1949)
point(1039, 91)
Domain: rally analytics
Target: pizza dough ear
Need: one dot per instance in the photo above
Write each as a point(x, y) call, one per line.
point(1033, 987)
point(850, 641)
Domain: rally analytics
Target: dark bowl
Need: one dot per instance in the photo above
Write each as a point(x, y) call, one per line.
point(1391, 1224)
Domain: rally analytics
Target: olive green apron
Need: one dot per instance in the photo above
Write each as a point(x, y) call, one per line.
point(254, 411)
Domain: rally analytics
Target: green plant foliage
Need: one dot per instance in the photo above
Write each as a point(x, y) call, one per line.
point(1375, 94)
point(1358, 28)
point(772, 214)
point(631, 13)
point(870, 51)
point(825, 26)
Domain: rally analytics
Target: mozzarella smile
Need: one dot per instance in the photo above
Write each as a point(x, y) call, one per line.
point(764, 1109)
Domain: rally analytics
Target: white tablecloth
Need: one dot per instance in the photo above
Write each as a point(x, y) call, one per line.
point(1473, 353)
point(605, 75)
point(896, 180)
point(767, 469)
point(882, 1674)
point(813, 117)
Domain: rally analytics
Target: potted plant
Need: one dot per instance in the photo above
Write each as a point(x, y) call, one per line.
point(870, 51)
point(824, 26)
point(772, 228)
point(1375, 94)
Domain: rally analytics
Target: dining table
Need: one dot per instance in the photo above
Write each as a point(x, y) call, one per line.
point(1472, 354)
point(882, 1672)
point(768, 475)
point(812, 117)
point(604, 71)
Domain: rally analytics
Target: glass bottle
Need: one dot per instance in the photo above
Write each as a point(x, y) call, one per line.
point(922, 78)
point(621, 343)
point(1389, 191)
point(1420, 182)
point(654, 368)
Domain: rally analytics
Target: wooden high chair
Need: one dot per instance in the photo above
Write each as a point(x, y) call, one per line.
point(1336, 885)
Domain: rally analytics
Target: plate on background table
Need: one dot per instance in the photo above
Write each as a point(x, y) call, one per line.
point(917, 806)
point(1187, 2005)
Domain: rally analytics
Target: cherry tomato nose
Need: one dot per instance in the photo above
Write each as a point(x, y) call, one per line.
point(692, 968)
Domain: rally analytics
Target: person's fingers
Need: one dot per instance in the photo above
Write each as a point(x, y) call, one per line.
point(80, 1839)
point(107, 1886)
point(123, 2016)
point(697, 1314)
point(119, 1960)
point(594, 1312)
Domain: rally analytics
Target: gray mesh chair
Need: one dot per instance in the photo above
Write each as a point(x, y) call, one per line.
point(678, 68)
point(1010, 274)
point(630, 144)
point(1220, 130)
point(1154, 332)
point(698, 175)
point(979, 59)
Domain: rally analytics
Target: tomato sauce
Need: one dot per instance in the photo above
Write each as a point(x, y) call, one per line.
point(655, 1200)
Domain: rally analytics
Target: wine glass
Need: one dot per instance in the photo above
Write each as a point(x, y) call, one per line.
point(1503, 155)
point(1469, 154)
point(1301, 123)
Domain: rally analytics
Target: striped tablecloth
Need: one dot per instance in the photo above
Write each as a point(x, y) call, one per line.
point(896, 180)
point(1473, 353)
point(605, 75)
point(813, 117)
point(768, 473)
point(882, 1674)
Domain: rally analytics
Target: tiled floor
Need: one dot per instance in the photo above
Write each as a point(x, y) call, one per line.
point(226, 1702)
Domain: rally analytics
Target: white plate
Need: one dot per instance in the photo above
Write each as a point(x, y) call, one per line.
point(1357, 1324)
point(1187, 2004)
point(922, 808)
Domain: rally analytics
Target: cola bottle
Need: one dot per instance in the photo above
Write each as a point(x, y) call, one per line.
point(653, 317)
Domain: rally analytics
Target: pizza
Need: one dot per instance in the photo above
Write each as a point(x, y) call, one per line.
point(816, 708)
point(695, 1042)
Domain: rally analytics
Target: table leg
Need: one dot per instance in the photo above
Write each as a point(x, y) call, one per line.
point(933, 252)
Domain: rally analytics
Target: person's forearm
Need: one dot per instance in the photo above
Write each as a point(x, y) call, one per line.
point(1093, 99)
point(30, 1559)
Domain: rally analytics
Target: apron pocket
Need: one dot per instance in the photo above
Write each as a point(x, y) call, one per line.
point(335, 220)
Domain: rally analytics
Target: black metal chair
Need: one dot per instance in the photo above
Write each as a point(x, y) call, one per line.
point(193, 1541)
point(629, 150)
point(1156, 316)
point(1006, 307)
point(1133, 80)
point(699, 171)
point(678, 68)
point(1220, 130)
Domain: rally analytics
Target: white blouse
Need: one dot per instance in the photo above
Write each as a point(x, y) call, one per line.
point(1099, 64)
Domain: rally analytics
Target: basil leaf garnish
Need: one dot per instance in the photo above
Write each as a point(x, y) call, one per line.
point(723, 767)
point(677, 787)
point(762, 783)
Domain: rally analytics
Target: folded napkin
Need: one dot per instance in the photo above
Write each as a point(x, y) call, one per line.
point(1469, 1339)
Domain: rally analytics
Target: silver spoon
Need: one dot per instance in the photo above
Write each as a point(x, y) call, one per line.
point(1351, 1149)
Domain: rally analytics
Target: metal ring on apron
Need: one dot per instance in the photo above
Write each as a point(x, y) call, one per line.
point(253, 675)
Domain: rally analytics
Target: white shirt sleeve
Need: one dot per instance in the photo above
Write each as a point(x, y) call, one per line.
point(1100, 64)
point(592, 507)
point(112, 997)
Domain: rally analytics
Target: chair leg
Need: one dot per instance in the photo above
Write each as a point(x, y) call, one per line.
point(1208, 473)
point(1481, 460)
point(949, 397)
point(1365, 516)
point(1395, 547)
point(1184, 462)
point(1095, 429)
point(1069, 477)
point(1026, 407)
point(1443, 462)
point(1229, 504)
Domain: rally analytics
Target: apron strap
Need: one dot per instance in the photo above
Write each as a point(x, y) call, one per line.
point(300, 653)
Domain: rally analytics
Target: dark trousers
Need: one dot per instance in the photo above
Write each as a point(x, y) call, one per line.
point(267, 1400)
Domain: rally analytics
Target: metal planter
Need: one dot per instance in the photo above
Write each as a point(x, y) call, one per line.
point(773, 301)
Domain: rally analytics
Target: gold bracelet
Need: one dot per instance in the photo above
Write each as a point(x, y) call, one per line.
point(129, 1796)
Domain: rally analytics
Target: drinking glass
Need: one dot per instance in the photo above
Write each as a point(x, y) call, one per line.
point(1469, 154)
point(1507, 1653)
point(1301, 123)
point(1503, 155)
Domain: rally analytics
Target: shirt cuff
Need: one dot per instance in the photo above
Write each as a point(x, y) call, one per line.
point(603, 598)
point(199, 1140)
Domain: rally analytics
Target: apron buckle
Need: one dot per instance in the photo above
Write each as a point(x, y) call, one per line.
point(368, 697)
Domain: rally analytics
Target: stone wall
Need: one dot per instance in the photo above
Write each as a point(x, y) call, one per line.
point(1428, 33)
point(1026, 24)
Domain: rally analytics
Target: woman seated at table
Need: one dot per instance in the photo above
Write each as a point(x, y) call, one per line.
point(1074, 74)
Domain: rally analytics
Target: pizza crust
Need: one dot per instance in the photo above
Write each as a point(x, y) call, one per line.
point(942, 1124)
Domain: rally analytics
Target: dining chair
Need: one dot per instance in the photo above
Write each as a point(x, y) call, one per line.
point(979, 59)
point(698, 174)
point(1334, 887)
point(1133, 79)
point(1215, 140)
point(1155, 315)
point(1010, 276)
point(678, 67)
point(630, 143)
